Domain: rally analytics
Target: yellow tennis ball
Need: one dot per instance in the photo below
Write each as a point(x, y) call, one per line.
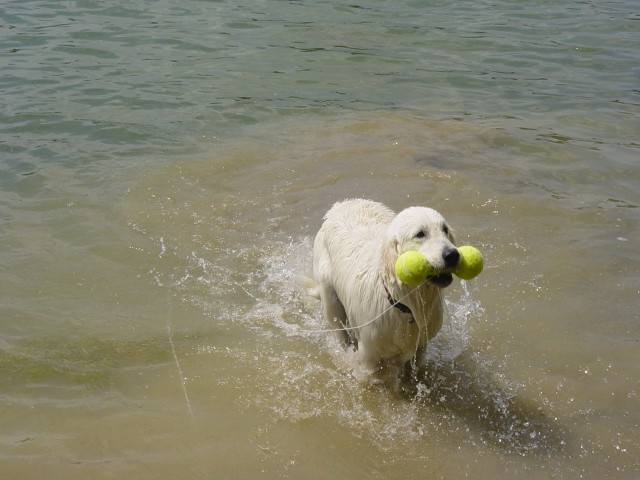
point(412, 268)
point(471, 263)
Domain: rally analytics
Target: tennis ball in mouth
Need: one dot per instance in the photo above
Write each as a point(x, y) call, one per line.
point(412, 268)
point(471, 263)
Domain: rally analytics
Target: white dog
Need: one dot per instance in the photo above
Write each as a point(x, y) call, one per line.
point(354, 256)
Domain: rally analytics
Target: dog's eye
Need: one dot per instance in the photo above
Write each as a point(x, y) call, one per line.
point(445, 229)
point(421, 234)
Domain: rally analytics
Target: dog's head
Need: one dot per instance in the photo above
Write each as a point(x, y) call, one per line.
point(425, 230)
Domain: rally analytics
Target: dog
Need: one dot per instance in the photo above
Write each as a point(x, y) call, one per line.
point(354, 256)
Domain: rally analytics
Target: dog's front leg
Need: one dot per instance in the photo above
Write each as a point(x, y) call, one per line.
point(335, 313)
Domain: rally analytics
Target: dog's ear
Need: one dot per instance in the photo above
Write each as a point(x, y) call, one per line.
point(395, 245)
point(391, 243)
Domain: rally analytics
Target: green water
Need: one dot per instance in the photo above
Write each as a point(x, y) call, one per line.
point(164, 167)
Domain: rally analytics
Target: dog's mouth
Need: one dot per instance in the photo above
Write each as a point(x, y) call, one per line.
point(442, 280)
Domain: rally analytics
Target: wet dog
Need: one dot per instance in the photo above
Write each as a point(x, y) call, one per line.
point(354, 255)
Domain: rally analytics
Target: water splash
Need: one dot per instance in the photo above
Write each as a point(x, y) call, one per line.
point(452, 390)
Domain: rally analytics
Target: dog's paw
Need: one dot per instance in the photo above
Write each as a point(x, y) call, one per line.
point(309, 284)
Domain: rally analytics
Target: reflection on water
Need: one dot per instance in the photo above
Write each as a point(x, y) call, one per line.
point(162, 173)
point(493, 410)
point(205, 356)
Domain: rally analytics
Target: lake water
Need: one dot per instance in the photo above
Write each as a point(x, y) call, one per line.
point(164, 167)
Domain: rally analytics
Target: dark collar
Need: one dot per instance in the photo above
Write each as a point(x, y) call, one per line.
point(400, 306)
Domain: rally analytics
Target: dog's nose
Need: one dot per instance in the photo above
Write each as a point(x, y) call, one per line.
point(451, 257)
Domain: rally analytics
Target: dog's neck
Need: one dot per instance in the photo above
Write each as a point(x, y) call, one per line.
point(400, 306)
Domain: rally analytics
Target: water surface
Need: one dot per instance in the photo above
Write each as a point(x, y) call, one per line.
point(163, 169)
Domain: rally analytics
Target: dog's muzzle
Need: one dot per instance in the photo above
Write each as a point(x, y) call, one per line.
point(442, 281)
point(451, 258)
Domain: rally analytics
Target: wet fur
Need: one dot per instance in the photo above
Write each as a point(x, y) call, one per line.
point(354, 256)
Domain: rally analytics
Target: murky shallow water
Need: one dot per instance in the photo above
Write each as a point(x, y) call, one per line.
point(166, 336)
point(164, 167)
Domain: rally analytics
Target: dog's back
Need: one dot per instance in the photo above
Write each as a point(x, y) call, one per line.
point(357, 219)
